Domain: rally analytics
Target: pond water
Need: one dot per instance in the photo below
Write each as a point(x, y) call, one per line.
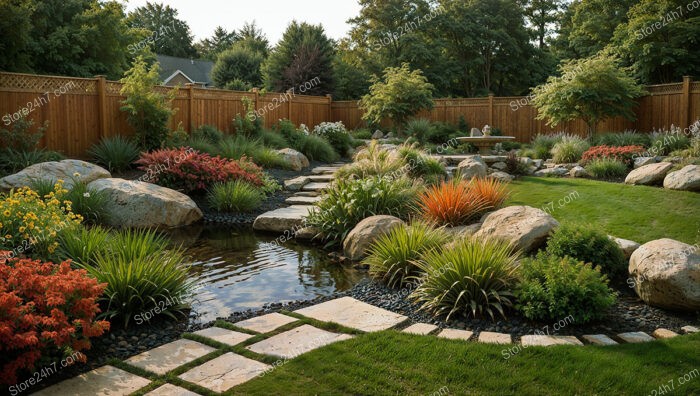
point(237, 269)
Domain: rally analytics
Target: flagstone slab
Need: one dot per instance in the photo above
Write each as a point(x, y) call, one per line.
point(354, 314)
point(599, 339)
point(664, 333)
point(548, 340)
point(420, 328)
point(282, 219)
point(635, 337)
point(266, 323)
point(171, 390)
point(170, 356)
point(456, 334)
point(300, 200)
point(224, 372)
point(224, 336)
point(322, 178)
point(690, 329)
point(490, 337)
point(324, 169)
point(316, 186)
point(296, 341)
point(105, 380)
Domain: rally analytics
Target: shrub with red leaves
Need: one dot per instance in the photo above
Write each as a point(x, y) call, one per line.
point(47, 312)
point(189, 170)
point(624, 154)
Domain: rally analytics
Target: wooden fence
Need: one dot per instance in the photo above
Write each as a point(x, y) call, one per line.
point(80, 111)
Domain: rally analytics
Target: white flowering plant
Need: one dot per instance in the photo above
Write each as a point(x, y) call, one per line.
point(336, 134)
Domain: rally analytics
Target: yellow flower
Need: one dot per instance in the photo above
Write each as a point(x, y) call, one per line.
point(6, 213)
point(8, 236)
point(21, 229)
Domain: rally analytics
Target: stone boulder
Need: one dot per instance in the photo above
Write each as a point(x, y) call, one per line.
point(628, 247)
point(66, 170)
point(687, 179)
point(642, 161)
point(649, 174)
point(552, 172)
point(502, 176)
point(666, 274)
point(358, 241)
point(501, 166)
point(297, 183)
point(294, 159)
point(283, 220)
point(527, 228)
point(377, 134)
point(140, 204)
point(472, 167)
point(578, 171)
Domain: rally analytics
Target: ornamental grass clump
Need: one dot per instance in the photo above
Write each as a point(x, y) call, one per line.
point(235, 196)
point(472, 278)
point(569, 149)
point(458, 202)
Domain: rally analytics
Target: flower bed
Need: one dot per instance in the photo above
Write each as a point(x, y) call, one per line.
point(624, 154)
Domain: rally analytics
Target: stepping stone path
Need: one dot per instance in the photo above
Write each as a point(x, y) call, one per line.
point(296, 200)
point(224, 372)
point(690, 329)
point(663, 334)
point(315, 186)
point(282, 219)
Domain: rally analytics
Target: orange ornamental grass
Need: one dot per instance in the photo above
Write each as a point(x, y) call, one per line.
point(458, 202)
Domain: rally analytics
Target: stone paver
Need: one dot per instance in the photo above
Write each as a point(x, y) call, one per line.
point(635, 337)
point(106, 380)
point(265, 323)
point(548, 340)
point(306, 194)
point(170, 356)
point(171, 390)
point(224, 336)
point(664, 333)
point(489, 337)
point(316, 186)
point(296, 341)
point(355, 314)
point(599, 339)
point(302, 200)
point(224, 372)
point(690, 329)
point(420, 328)
point(456, 334)
point(324, 169)
point(321, 178)
point(282, 219)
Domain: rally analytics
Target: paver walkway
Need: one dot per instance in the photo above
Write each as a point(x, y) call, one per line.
point(204, 364)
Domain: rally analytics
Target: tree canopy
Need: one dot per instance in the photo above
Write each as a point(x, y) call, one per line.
point(171, 35)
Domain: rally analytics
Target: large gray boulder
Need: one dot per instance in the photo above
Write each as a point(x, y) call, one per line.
point(527, 228)
point(358, 241)
point(666, 273)
point(649, 174)
point(472, 167)
point(135, 204)
point(66, 170)
point(687, 179)
point(294, 159)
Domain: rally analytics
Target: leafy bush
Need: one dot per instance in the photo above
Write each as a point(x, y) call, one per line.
point(552, 288)
point(472, 278)
point(391, 257)
point(147, 110)
point(569, 149)
point(234, 196)
point(625, 154)
point(542, 145)
point(248, 124)
point(349, 201)
point(12, 161)
point(452, 203)
point(209, 133)
point(117, 153)
point(32, 223)
point(141, 273)
point(177, 138)
point(606, 168)
point(362, 133)
point(590, 245)
point(317, 149)
point(420, 165)
point(189, 170)
point(20, 137)
point(419, 128)
point(237, 147)
point(47, 312)
point(442, 132)
point(620, 139)
point(336, 134)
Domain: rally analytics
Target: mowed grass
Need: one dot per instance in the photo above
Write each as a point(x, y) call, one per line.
point(393, 363)
point(638, 213)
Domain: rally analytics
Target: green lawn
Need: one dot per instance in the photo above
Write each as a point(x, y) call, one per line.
point(393, 363)
point(638, 213)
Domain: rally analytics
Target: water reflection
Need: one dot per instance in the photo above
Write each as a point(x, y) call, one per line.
point(238, 269)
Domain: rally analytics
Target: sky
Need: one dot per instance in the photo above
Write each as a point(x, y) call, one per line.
point(272, 16)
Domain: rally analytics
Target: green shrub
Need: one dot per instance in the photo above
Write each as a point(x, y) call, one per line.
point(269, 158)
point(234, 196)
point(142, 273)
point(270, 184)
point(20, 138)
point(203, 145)
point(373, 161)
point(349, 201)
point(552, 288)
point(621, 139)
point(336, 134)
point(209, 133)
point(569, 149)
point(419, 128)
point(248, 124)
point(12, 161)
point(273, 139)
point(316, 148)
point(419, 165)
point(590, 245)
point(391, 257)
point(442, 132)
point(472, 278)
point(606, 168)
point(116, 153)
point(362, 134)
point(81, 244)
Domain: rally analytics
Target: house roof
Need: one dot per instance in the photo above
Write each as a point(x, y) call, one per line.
point(198, 71)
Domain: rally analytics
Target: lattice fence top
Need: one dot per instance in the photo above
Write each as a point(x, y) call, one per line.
point(665, 88)
point(42, 84)
point(113, 88)
point(695, 87)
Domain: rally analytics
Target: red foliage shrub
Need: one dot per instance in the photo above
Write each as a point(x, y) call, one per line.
point(189, 170)
point(46, 309)
point(624, 154)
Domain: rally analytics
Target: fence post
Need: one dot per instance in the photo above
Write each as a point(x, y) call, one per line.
point(491, 109)
point(290, 95)
point(330, 107)
point(685, 103)
point(102, 104)
point(190, 105)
